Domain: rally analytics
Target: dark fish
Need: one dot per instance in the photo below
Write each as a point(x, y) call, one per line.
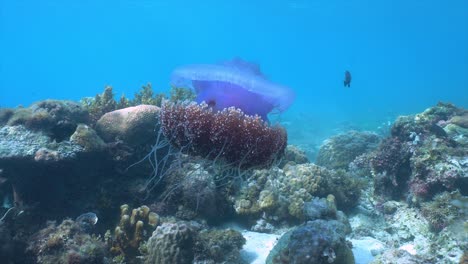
point(347, 79)
point(438, 131)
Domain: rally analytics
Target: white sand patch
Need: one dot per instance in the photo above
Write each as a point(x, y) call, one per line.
point(257, 246)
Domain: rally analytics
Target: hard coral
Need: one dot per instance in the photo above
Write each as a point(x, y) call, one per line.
point(318, 241)
point(66, 243)
point(133, 125)
point(283, 193)
point(170, 243)
point(338, 151)
point(133, 228)
point(218, 246)
point(56, 118)
point(425, 155)
point(230, 135)
point(391, 167)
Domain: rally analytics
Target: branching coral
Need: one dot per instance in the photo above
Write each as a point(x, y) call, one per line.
point(133, 228)
point(229, 135)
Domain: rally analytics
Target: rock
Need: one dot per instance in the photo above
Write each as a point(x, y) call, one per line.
point(86, 137)
point(20, 144)
point(134, 125)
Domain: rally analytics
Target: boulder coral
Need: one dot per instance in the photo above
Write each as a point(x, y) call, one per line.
point(228, 135)
point(338, 151)
point(133, 125)
point(320, 240)
point(170, 243)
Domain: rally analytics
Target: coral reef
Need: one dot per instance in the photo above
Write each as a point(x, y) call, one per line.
point(134, 228)
point(441, 211)
point(390, 167)
point(66, 243)
point(282, 193)
point(422, 156)
point(58, 119)
point(405, 229)
point(338, 151)
point(229, 135)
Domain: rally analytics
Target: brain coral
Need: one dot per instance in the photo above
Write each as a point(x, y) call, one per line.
point(234, 83)
point(228, 135)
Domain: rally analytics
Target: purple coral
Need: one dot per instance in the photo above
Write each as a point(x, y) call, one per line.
point(229, 135)
point(235, 83)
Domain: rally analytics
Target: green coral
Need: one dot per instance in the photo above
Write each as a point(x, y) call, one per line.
point(179, 94)
point(146, 96)
point(100, 104)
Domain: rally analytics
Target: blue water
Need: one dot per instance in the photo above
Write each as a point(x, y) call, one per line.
point(404, 56)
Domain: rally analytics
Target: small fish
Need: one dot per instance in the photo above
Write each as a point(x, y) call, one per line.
point(347, 79)
point(87, 219)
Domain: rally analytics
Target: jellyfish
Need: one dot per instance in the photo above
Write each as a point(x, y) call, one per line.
point(236, 83)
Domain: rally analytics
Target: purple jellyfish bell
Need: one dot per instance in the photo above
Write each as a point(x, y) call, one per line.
point(235, 83)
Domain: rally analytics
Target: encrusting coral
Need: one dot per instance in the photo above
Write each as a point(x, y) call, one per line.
point(66, 243)
point(424, 155)
point(229, 135)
